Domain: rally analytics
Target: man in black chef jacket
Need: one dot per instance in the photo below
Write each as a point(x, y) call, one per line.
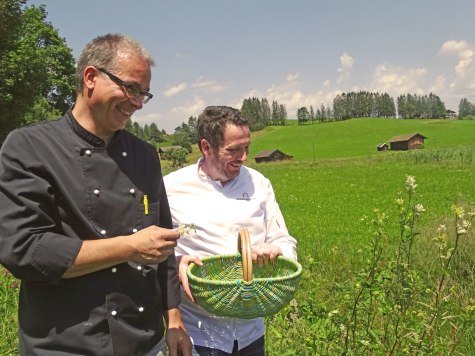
point(85, 223)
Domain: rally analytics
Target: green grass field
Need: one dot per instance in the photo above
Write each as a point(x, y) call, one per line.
point(323, 203)
point(357, 137)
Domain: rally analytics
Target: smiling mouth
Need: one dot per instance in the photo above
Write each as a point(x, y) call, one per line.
point(124, 113)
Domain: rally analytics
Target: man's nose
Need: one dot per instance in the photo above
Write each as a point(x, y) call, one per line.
point(137, 102)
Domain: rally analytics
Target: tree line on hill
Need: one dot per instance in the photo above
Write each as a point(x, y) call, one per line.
point(258, 111)
point(260, 114)
point(421, 107)
point(369, 104)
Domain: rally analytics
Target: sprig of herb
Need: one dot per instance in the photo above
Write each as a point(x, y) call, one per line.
point(184, 229)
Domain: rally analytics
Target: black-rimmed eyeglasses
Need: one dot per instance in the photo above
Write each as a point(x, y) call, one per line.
point(131, 90)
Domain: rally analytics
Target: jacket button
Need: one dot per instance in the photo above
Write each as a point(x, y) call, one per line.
point(132, 191)
point(141, 309)
point(124, 154)
point(134, 230)
point(114, 270)
point(114, 313)
point(139, 268)
point(103, 232)
point(88, 152)
point(96, 191)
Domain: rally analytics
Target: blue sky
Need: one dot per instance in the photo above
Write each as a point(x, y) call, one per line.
point(298, 52)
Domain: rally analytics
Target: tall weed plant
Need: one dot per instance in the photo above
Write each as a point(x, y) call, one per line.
point(397, 303)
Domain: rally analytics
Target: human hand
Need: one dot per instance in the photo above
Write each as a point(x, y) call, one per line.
point(265, 253)
point(153, 244)
point(178, 342)
point(183, 263)
point(177, 339)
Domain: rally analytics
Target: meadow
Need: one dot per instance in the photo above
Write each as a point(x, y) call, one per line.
point(357, 137)
point(329, 205)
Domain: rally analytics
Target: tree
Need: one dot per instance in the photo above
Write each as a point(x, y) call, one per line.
point(466, 108)
point(36, 68)
point(182, 138)
point(302, 115)
point(192, 126)
point(266, 112)
point(178, 156)
point(282, 114)
point(311, 115)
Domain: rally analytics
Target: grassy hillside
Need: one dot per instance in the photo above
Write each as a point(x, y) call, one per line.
point(357, 137)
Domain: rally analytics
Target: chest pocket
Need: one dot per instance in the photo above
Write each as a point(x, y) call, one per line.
point(153, 216)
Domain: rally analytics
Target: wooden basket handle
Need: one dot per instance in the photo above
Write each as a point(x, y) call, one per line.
point(244, 246)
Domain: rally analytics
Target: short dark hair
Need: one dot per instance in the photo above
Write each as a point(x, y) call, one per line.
point(212, 122)
point(103, 52)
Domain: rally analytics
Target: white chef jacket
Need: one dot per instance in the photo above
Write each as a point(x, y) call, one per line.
point(217, 213)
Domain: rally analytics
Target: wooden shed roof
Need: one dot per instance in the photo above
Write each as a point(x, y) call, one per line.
point(268, 153)
point(405, 137)
point(167, 148)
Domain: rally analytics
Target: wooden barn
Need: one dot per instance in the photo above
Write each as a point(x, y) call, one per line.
point(407, 142)
point(165, 151)
point(271, 155)
point(382, 147)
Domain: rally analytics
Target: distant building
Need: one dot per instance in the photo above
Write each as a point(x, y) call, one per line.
point(271, 155)
point(449, 114)
point(165, 151)
point(382, 146)
point(407, 142)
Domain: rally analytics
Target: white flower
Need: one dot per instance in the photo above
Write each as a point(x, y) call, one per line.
point(442, 228)
point(333, 312)
point(419, 209)
point(411, 183)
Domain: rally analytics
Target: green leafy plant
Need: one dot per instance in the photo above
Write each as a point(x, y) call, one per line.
point(8, 310)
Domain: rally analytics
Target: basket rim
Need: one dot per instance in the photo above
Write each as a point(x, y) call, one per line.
point(194, 278)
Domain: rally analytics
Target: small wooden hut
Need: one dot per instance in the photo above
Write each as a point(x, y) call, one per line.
point(407, 142)
point(271, 155)
point(165, 151)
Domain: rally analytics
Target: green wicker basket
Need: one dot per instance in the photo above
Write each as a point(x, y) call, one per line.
point(229, 285)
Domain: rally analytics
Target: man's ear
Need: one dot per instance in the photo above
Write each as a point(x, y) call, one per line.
point(89, 77)
point(205, 146)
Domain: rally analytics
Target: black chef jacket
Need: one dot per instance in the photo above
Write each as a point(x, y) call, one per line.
point(60, 185)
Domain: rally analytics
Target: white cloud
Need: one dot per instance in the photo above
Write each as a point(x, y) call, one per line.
point(211, 86)
point(451, 47)
point(291, 77)
point(192, 107)
point(465, 57)
point(146, 119)
point(293, 97)
point(439, 85)
point(346, 64)
point(464, 71)
point(395, 80)
point(175, 90)
point(326, 83)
